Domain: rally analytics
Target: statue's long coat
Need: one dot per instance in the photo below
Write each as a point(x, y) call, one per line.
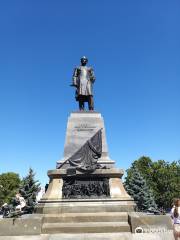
point(83, 79)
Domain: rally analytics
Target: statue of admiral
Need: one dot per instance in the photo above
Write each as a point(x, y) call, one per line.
point(83, 79)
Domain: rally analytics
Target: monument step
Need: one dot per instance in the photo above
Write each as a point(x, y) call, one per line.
point(86, 217)
point(85, 227)
point(88, 206)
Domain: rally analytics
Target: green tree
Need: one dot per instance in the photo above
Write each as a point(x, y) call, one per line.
point(29, 189)
point(161, 176)
point(137, 187)
point(166, 182)
point(144, 165)
point(9, 185)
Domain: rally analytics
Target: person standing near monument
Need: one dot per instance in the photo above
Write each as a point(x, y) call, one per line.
point(83, 79)
point(175, 214)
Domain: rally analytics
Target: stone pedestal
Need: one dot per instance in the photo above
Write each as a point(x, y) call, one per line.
point(75, 207)
point(118, 200)
point(81, 127)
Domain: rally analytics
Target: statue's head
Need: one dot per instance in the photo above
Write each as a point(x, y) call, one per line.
point(84, 60)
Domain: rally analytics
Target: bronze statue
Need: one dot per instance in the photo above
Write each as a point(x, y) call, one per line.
point(83, 79)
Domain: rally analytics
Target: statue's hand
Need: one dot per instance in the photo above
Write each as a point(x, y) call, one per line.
point(73, 85)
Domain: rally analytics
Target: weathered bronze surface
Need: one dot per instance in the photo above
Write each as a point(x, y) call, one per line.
point(85, 188)
point(83, 79)
point(85, 159)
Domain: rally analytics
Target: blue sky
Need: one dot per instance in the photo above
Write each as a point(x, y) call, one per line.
point(134, 48)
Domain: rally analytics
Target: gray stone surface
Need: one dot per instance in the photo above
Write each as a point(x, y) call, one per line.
point(26, 237)
point(95, 236)
point(21, 226)
point(150, 223)
point(97, 225)
point(110, 173)
point(154, 236)
point(86, 205)
point(86, 217)
point(81, 127)
point(86, 227)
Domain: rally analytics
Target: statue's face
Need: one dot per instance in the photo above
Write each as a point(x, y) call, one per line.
point(83, 61)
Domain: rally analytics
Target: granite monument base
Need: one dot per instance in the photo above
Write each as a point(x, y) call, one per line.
point(89, 213)
point(81, 126)
point(105, 226)
point(54, 201)
point(83, 202)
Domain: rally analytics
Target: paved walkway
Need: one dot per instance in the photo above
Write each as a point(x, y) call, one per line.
point(95, 236)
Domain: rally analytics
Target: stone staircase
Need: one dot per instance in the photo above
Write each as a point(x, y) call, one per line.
point(91, 227)
point(99, 222)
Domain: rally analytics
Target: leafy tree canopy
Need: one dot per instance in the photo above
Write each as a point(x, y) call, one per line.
point(9, 185)
point(162, 178)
